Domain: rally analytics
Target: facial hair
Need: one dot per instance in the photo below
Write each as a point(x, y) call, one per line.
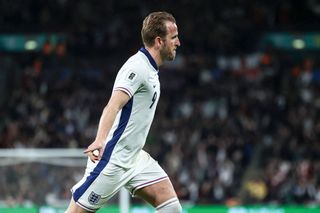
point(166, 54)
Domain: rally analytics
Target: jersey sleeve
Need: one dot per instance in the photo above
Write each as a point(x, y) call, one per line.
point(128, 81)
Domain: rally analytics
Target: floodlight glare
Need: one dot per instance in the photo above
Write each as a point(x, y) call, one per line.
point(30, 45)
point(298, 44)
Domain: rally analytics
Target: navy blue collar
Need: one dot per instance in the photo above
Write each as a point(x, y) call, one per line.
point(151, 60)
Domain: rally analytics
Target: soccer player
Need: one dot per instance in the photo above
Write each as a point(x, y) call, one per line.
point(124, 125)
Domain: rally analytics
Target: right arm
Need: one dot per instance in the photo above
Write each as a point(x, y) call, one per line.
point(117, 101)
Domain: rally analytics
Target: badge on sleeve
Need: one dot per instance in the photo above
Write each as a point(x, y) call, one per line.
point(131, 76)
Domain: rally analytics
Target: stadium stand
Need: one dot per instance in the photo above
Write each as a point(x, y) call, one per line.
point(233, 116)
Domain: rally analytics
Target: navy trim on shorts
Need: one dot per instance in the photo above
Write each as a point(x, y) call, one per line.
point(124, 118)
point(151, 60)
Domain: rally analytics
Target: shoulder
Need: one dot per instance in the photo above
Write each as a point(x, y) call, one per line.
point(136, 64)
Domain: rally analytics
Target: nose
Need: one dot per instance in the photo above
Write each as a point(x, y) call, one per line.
point(178, 42)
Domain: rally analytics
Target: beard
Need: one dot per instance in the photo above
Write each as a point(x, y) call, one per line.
point(166, 54)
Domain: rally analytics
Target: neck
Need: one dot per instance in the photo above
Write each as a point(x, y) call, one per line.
point(155, 55)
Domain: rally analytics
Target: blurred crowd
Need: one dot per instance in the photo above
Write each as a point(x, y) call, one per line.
point(205, 26)
point(235, 123)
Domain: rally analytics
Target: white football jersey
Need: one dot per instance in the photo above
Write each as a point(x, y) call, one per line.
point(138, 77)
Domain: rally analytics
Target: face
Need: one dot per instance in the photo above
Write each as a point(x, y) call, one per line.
point(170, 43)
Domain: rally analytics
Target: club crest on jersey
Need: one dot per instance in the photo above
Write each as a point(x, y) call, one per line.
point(94, 198)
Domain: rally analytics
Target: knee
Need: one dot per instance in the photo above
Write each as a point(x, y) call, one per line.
point(172, 205)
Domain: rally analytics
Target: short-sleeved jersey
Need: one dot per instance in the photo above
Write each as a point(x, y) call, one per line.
point(138, 77)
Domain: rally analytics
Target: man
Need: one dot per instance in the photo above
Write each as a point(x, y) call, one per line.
point(123, 127)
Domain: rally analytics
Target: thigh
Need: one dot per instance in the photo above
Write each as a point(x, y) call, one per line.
point(150, 182)
point(157, 193)
point(75, 208)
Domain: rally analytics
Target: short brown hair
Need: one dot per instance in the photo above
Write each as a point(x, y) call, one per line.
point(154, 25)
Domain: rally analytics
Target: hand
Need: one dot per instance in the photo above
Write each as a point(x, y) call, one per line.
point(96, 145)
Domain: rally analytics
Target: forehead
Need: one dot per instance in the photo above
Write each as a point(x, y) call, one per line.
point(172, 28)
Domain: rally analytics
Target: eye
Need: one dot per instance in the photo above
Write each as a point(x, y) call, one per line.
point(175, 37)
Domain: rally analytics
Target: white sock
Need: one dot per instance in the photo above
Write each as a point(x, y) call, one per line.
point(170, 206)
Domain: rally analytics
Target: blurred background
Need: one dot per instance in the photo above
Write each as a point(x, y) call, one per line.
point(238, 121)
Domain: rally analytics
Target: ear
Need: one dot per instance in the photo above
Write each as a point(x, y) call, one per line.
point(158, 42)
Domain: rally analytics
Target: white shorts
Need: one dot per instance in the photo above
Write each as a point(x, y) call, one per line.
point(101, 182)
